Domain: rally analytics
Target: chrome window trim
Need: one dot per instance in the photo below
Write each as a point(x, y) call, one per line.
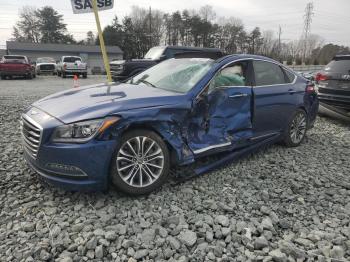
point(198, 151)
point(254, 86)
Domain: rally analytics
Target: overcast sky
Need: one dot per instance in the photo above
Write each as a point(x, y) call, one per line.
point(330, 20)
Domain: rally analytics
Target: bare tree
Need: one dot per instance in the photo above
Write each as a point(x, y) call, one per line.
point(207, 13)
point(27, 29)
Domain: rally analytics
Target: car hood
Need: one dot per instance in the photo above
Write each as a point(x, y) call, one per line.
point(101, 100)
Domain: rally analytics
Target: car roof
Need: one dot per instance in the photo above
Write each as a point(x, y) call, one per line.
point(210, 49)
point(247, 56)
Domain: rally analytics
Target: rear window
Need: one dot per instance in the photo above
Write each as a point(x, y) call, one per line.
point(14, 57)
point(71, 59)
point(340, 65)
point(9, 59)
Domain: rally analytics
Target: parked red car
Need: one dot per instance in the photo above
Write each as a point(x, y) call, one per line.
point(15, 65)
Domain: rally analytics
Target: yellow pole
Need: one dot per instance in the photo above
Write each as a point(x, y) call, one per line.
point(102, 42)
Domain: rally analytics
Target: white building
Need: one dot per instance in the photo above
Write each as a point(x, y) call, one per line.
point(91, 54)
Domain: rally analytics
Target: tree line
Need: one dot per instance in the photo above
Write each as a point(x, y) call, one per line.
point(144, 28)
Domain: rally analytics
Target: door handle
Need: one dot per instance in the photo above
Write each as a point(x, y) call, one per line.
point(291, 91)
point(238, 95)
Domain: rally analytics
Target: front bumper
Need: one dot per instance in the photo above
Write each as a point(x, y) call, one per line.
point(74, 167)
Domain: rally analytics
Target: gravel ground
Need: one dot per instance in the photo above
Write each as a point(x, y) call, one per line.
point(277, 205)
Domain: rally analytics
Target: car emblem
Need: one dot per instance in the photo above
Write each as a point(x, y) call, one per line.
point(33, 112)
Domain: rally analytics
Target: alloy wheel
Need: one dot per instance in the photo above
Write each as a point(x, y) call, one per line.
point(140, 161)
point(298, 128)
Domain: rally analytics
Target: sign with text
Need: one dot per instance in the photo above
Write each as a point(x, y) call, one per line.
point(86, 6)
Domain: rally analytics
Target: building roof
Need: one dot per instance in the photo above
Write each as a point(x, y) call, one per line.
point(13, 45)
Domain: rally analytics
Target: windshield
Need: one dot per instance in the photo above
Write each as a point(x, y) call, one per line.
point(154, 53)
point(177, 75)
point(45, 60)
point(71, 59)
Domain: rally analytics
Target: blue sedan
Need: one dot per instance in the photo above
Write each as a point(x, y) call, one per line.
point(130, 134)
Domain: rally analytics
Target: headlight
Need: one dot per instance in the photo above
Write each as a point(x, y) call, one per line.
point(82, 131)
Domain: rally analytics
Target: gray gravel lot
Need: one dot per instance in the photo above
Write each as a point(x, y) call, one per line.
point(279, 204)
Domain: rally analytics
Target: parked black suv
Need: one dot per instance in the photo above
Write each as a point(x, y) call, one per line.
point(122, 69)
point(333, 84)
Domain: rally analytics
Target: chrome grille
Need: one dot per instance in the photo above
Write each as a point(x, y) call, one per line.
point(116, 68)
point(31, 135)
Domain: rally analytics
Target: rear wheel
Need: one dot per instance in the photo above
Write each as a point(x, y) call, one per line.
point(84, 75)
point(140, 163)
point(296, 131)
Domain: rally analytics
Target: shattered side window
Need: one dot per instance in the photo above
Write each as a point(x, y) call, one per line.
point(231, 76)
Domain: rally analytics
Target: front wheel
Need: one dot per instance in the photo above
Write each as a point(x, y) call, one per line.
point(140, 163)
point(296, 130)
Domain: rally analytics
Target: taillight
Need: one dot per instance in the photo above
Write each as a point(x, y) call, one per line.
point(321, 77)
point(310, 88)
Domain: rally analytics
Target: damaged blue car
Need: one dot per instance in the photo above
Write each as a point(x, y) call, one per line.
point(130, 134)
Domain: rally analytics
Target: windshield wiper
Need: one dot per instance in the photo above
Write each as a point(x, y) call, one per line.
point(146, 82)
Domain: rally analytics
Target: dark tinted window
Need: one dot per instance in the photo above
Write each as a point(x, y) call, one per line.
point(339, 65)
point(267, 73)
point(17, 57)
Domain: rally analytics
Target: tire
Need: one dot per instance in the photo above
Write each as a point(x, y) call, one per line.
point(34, 76)
point(58, 74)
point(125, 166)
point(3, 77)
point(296, 130)
point(64, 75)
point(84, 75)
point(30, 76)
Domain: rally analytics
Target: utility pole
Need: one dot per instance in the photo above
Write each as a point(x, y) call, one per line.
point(150, 27)
point(307, 27)
point(279, 41)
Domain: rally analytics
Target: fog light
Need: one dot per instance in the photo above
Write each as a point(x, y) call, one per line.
point(66, 170)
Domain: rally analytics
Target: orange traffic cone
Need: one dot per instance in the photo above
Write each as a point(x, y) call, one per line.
point(75, 81)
